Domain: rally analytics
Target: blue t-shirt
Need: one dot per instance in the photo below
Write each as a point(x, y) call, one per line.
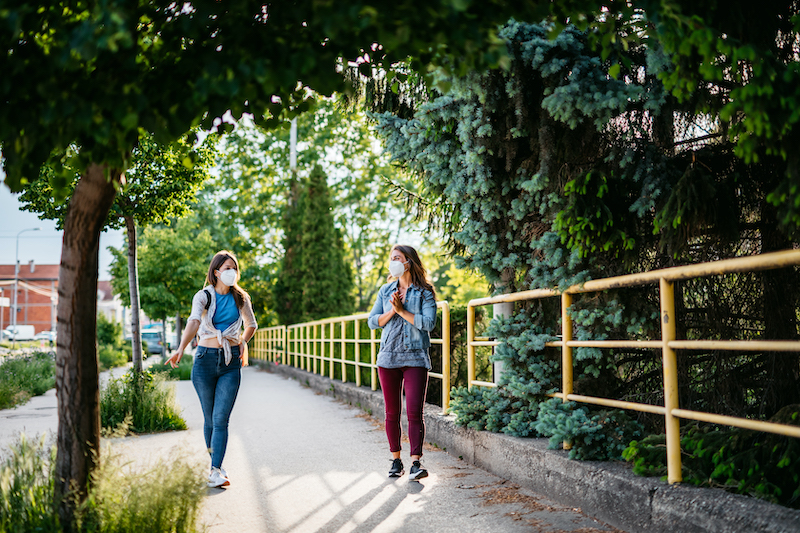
point(226, 312)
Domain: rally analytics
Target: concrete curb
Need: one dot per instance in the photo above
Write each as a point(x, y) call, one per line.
point(605, 490)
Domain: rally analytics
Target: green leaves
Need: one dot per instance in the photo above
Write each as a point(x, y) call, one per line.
point(763, 465)
point(314, 280)
point(172, 266)
point(587, 224)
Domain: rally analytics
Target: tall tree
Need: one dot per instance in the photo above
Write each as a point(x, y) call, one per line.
point(173, 263)
point(736, 62)
point(288, 289)
point(160, 184)
point(327, 281)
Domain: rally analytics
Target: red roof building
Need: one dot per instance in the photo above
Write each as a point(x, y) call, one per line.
point(37, 295)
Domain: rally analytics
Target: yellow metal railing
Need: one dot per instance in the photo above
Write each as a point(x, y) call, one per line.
point(322, 346)
point(668, 343)
point(269, 344)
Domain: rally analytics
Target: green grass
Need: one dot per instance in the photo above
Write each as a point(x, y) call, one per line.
point(183, 371)
point(164, 497)
point(22, 377)
point(139, 403)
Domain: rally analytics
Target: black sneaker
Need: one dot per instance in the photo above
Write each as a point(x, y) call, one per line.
point(397, 468)
point(417, 472)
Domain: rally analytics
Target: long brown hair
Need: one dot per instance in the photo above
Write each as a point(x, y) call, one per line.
point(239, 294)
point(419, 276)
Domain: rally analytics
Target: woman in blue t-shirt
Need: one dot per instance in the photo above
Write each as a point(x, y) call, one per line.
point(219, 311)
point(406, 310)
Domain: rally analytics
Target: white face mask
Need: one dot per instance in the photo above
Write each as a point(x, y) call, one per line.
point(396, 268)
point(228, 277)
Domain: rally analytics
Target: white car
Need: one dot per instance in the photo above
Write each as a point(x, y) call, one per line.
point(49, 336)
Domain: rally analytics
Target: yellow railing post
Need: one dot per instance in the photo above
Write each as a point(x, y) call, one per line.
point(372, 356)
point(291, 345)
point(566, 351)
point(284, 345)
point(445, 357)
point(342, 350)
point(307, 348)
point(330, 349)
point(669, 361)
point(357, 351)
point(470, 347)
point(329, 345)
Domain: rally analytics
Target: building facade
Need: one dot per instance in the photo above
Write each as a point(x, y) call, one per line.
point(37, 295)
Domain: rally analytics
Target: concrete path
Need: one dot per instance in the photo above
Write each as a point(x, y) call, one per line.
point(301, 462)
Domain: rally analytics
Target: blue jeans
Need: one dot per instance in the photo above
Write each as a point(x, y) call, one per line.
point(217, 386)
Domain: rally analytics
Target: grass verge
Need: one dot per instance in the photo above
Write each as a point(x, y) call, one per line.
point(22, 377)
point(165, 497)
point(139, 403)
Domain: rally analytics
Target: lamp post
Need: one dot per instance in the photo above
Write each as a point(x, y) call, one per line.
point(16, 279)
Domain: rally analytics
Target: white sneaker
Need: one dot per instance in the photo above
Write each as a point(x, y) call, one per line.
point(216, 479)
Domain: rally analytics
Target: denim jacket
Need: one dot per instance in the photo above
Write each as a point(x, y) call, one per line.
point(418, 301)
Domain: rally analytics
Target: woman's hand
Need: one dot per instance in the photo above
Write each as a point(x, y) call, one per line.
point(397, 302)
point(175, 359)
point(243, 355)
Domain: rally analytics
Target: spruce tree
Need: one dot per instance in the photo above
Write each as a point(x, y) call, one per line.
point(564, 168)
point(288, 289)
point(327, 280)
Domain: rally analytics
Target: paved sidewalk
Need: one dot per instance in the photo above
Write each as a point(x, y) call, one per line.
point(301, 462)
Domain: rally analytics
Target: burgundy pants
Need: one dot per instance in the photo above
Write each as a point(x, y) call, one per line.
point(414, 379)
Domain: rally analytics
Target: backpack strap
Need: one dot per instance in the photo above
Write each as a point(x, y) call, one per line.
point(208, 301)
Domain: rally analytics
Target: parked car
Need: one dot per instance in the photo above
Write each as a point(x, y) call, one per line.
point(153, 340)
point(49, 336)
point(19, 333)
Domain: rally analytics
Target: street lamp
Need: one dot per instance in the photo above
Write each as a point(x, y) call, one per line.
point(16, 279)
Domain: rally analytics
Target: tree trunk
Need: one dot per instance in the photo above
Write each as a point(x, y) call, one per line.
point(503, 310)
point(133, 290)
point(178, 331)
point(164, 337)
point(77, 387)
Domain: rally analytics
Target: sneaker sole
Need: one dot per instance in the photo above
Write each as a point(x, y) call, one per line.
point(399, 474)
point(418, 475)
point(218, 485)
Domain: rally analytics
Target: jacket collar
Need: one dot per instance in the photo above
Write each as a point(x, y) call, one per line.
point(396, 282)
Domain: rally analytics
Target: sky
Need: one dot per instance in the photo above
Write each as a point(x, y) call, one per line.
point(43, 246)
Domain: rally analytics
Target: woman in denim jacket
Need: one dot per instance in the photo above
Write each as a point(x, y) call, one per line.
point(219, 311)
point(406, 310)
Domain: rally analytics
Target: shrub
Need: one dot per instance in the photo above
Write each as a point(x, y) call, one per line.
point(108, 331)
point(738, 460)
point(112, 349)
point(599, 436)
point(24, 376)
point(165, 497)
point(110, 357)
point(469, 407)
point(144, 399)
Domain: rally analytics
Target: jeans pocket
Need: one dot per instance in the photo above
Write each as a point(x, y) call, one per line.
point(199, 353)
